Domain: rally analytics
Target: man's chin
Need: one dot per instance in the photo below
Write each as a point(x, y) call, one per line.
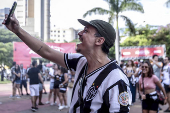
point(78, 50)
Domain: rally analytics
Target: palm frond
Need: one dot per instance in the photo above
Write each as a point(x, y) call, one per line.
point(168, 3)
point(129, 24)
point(111, 18)
point(131, 5)
point(97, 10)
point(113, 5)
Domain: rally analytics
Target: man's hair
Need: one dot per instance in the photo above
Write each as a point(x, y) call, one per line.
point(154, 56)
point(14, 63)
point(34, 63)
point(41, 62)
point(127, 65)
point(63, 70)
point(39, 67)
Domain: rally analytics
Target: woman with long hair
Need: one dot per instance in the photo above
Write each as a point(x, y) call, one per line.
point(17, 79)
point(63, 87)
point(147, 87)
point(130, 71)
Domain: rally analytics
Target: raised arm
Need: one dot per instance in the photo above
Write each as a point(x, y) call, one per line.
point(36, 45)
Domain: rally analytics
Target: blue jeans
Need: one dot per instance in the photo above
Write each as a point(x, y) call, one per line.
point(133, 91)
point(17, 81)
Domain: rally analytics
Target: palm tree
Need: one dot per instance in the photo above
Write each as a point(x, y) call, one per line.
point(167, 3)
point(115, 8)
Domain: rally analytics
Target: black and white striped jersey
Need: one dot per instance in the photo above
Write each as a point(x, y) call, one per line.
point(112, 96)
point(22, 76)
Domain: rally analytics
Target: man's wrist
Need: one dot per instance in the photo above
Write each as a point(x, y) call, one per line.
point(18, 32)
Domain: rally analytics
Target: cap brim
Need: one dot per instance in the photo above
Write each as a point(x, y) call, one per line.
point(83, 22)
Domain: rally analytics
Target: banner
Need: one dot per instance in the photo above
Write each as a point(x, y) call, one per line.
point(23, 54)
point(142, 52)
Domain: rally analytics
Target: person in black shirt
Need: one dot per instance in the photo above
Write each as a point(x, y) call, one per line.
point(40, 86)
point(17, 82)
point(35, 76)
point(63, 87)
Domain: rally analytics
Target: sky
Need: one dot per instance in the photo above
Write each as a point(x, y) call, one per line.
point(64, 13)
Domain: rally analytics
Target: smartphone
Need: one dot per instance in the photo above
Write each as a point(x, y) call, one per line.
point(11, 13)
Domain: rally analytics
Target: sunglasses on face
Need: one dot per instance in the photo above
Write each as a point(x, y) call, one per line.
point(145, 67)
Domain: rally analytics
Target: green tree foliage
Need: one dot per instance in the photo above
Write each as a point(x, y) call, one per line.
point(138, 40)
point(6, 46)
point(6, 53)
point(162, 36)
point(149, 36)
point(111, 54)
point(7, 36)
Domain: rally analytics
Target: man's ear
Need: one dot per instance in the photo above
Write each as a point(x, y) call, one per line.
point(100, 40)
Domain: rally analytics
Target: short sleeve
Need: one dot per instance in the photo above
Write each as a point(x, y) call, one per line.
point(155, 78)
point(120, 98)
point(38, 70)
point(28, 73)
point(71, 60)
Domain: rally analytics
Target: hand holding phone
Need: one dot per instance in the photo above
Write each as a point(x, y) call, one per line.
point(11, 13)
point(11, 23)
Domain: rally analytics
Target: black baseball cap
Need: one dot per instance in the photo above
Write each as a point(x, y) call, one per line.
point(105, 29)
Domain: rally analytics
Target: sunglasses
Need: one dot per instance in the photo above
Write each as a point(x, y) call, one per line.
point(145, 67)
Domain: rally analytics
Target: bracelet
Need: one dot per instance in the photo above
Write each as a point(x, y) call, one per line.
point(166, 98)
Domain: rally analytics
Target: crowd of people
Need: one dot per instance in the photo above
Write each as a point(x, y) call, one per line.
point(149, 79)
point(60, 82)
point(146, 78)
point(100, 86)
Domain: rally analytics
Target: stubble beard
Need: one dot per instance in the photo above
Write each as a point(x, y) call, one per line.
point(78, 50)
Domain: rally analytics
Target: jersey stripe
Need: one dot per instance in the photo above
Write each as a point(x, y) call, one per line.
point(96, 84)
point(106, 98)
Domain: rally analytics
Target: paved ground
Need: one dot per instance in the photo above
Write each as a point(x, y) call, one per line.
point(23, 104)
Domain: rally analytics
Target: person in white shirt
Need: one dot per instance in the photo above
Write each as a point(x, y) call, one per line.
point(51, 73)
point(166, 80)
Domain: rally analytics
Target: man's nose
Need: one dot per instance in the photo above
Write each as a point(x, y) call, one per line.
point(80, 33)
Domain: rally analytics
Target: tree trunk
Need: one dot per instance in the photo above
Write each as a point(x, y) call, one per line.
point(117, 52)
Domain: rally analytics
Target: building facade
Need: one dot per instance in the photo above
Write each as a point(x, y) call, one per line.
point(61, 35)
point(34, 17)
point(2, 16)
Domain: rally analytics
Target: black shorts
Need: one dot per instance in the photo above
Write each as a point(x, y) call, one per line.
point(63, 90)
point(167, 89)
point(56, 84)
point(24, 83)
point(149, 104)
